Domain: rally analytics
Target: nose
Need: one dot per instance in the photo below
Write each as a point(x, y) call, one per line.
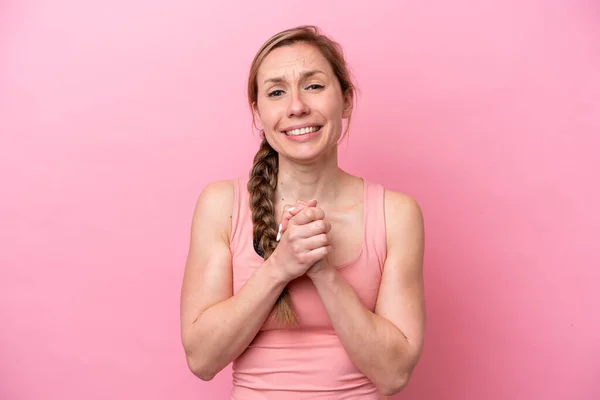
point(297, 107)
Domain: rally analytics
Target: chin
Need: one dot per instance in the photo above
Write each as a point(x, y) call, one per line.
point(308, 156)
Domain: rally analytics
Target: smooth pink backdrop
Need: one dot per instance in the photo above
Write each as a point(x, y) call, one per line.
point(115, 114)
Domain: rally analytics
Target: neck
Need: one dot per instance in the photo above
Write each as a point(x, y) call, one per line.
point(319, 181)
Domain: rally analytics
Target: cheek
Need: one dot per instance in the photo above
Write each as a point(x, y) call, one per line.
point(270, 115)
point(333, 106)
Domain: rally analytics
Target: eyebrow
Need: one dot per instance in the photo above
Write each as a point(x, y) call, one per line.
point(306, 74)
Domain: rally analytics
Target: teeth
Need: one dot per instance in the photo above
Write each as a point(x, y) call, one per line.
point(302, 131)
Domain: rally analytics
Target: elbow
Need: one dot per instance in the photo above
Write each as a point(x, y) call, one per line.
point(204, 375)
point(200, 369)
point(394, 385)
point(398, 375)
point(197, 361)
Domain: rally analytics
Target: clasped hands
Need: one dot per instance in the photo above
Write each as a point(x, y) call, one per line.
point(303, 240)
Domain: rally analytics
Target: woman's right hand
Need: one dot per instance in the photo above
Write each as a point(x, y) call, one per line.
point(304, 240)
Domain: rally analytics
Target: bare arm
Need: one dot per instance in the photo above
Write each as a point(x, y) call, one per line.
point(217, 326)
point(384, 345)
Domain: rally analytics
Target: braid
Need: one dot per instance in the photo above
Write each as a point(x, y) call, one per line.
point(261, 186)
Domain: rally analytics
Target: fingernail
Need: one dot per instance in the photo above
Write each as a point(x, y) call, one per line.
point(279, 233)
point(291, 209)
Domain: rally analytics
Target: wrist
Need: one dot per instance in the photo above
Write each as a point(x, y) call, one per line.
point(274, 271)
point(321, 271)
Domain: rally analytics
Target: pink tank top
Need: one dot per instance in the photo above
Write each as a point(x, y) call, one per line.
point(308, 361)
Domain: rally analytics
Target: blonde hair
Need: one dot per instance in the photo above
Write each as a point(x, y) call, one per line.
point(263, 176)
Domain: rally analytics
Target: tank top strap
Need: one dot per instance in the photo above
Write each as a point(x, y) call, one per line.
point(240, 212)
point(374, 217)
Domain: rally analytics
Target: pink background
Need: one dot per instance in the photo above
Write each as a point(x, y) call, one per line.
point(114, 114)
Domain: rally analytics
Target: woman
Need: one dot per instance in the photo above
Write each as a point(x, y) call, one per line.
point(326, 300)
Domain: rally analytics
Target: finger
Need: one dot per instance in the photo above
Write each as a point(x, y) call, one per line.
point(301, 205)
point(289, 212)
point(308, 215)
point(314, 242)
point(314, 228)
point(283, 220)
point(319, 253)
point(286, 215)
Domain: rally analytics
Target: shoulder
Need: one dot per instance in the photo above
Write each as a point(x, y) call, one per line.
point(214, 205)
point(216, 193)
point(404, 219)
point(399, 204)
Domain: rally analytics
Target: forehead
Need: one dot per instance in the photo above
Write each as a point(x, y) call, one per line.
point(290, 61)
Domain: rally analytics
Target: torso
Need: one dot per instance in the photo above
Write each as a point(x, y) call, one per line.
point(309, 361)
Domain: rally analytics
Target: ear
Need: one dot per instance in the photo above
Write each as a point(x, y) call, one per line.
point(348, 105)
point(256, 117)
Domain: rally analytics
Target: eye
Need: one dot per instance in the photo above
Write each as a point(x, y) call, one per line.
point(275, 93)
point(315, 86)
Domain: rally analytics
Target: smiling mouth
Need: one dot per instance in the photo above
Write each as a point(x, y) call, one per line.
point(302, 131)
